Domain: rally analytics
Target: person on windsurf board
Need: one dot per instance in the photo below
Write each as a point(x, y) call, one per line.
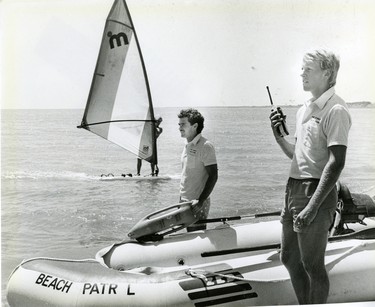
point(154, 167)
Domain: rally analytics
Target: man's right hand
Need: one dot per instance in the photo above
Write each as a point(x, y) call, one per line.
point(276, 121)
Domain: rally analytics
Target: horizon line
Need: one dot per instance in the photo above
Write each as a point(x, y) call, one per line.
point(356, 103)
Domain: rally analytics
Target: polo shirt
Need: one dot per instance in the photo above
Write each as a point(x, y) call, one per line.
point(196, 155)
point(320, 123)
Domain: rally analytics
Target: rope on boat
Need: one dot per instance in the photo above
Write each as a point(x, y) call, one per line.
point(52, 259)
point(204, 274)
point(59, 259)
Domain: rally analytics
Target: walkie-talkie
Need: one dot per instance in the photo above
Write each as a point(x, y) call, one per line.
point(282, 130)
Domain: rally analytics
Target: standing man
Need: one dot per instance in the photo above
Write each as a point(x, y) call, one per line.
point(318, 157)
point(154, 167)
point(199, 166)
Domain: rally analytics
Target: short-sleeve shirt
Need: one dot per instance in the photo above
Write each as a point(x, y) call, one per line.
point(320, 124)
point(196, 155)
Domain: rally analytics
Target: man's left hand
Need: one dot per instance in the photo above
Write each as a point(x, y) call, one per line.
point(306, 216)
point(196, 206)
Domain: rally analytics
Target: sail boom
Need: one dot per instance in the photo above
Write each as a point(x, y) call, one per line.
point(116, 121)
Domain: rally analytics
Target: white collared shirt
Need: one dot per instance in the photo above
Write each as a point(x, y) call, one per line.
point(320, 123)
point(196, 155)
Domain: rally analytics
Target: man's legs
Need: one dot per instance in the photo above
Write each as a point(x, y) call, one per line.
point(139, 165)
point(291, 258)
point(303, 253)
point(303, 256)
point(312, 248)
point(154, 169)
point(313, 242)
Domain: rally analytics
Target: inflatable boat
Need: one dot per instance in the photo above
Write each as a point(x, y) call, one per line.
point(228, 265)
point(244, 277)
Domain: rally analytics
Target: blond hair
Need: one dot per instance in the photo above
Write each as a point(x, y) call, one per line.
point(327, 61)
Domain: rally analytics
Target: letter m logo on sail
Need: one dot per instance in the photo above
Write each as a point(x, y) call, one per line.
point(117, 39)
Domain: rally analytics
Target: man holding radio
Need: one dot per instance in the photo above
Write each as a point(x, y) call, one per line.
point(318, 157)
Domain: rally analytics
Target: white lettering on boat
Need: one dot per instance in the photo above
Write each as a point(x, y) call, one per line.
point(54, 283)
point(100, 288)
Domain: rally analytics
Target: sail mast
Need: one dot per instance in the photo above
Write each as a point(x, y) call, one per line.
point(155, 157)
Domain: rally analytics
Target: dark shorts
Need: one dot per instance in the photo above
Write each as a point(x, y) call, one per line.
point(297, 195)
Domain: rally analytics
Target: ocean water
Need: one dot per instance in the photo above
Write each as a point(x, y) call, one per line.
point(53, 203)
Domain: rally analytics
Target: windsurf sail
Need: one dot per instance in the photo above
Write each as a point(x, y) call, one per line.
point(119, 107)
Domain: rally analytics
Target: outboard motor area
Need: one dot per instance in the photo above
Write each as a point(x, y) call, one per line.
point(356, 206)
point(351, 208)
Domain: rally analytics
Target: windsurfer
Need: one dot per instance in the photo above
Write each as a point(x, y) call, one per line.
point(154, 167)
point(318, 157)
point(199, 165)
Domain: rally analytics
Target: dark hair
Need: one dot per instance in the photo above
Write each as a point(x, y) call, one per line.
point(194, 117)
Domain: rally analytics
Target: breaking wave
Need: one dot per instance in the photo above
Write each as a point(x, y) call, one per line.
point(40, 175)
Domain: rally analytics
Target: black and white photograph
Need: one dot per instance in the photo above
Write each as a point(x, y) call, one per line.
point(187, 153)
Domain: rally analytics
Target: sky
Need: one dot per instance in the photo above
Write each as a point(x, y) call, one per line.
point(197, 52)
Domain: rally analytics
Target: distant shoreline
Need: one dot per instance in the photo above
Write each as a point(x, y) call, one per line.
point(359, 104)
